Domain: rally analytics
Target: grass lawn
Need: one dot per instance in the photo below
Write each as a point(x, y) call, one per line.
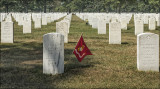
point(110, 66)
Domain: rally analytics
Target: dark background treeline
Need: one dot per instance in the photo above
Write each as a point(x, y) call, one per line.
point(145, 6)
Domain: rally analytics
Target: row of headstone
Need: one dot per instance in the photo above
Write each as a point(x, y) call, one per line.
point(115, 26)
point(94, 18)
point(53, 47)
point(145, 17)
point(23, 19)
point(99, 20)
point(147, 43)
point(39, 19)
point(150, 19)
point(45, 18)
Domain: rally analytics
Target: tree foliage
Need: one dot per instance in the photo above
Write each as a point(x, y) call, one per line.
point(80, 6)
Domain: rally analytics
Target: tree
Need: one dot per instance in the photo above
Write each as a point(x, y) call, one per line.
point(7, 4)
point(80, 5)
point(25, 4)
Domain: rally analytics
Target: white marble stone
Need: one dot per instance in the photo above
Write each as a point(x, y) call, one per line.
point(152, 23)
point(94, 23)
point(53, 53)
point(158, 20)
point(37, 23)
point(114, 19)
point(62, 27)
point(123, 23)
point(145, 19)
point(148, 52)
point(8, 18)
point(139, 27)
point(101, 26)
point(44, 20)
point(20, 21)
point(7, 32)
point(48, 19)
point(114, 33)
point(27, 26)
point(68, 22)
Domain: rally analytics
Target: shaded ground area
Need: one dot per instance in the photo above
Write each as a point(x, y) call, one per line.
point(111, 66)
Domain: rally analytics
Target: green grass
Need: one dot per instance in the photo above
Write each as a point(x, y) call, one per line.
point(110, 66)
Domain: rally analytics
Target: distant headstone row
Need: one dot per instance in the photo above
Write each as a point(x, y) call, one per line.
point(25, 20)
point(147, 43)
point(95, 19)
point(119, 21)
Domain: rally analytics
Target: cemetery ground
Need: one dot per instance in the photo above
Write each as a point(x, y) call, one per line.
point(110, 66)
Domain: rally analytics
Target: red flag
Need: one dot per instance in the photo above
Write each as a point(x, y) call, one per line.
point(81, 50)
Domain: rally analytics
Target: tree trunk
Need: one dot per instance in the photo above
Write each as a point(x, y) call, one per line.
point(7, 8)
point(119, 8)
point(82, 10)
point(26, 8)
point(116, 9)
point(45, 7)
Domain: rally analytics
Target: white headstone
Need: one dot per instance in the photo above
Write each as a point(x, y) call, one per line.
point(139, 27)
point(62, 27)
point(37, 23)
point(113, 19)
point(53, 53)
point(48, 19)
point(20, 21)
point(7, 32)
point(148, 52)
point(101, 26)
point(27, 25)
point(123, 23)
point(44, 20)
point(145, 19)
point(94, 23)
point(152, 23)
point(115, 33)
point(158, 20)
point(68, 22)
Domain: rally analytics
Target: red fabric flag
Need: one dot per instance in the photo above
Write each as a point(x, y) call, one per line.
point(81, 50)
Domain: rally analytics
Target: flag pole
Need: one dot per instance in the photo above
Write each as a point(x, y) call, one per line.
point(81, 33)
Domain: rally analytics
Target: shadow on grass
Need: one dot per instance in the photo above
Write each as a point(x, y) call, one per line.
point(18, 77)
point(124, 43)
point(130, 28)
point(21, 51)
point(15, 74)
point(105, 38)
point(72, 42)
